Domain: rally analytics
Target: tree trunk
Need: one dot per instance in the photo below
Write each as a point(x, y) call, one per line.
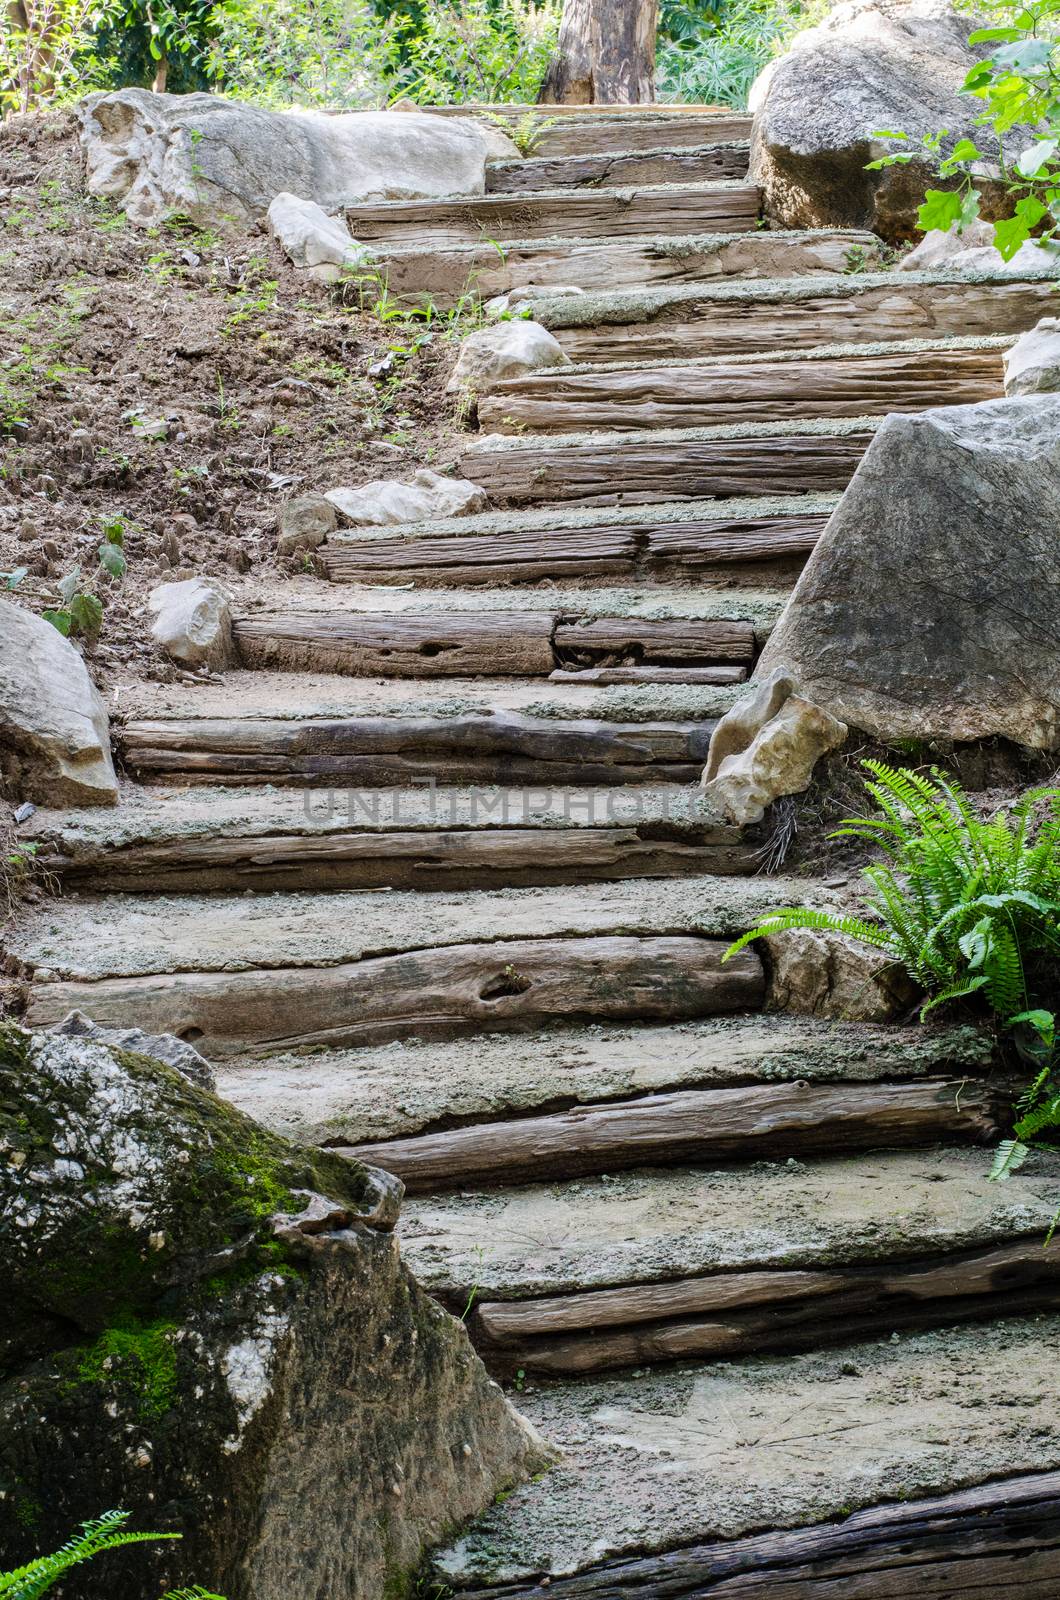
point(161, 75)
point(605, 54)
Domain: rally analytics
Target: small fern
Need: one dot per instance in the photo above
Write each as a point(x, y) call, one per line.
point(107, 1532)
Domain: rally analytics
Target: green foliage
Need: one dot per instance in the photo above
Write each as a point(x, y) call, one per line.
point(1018, 84)
point(971, 908)
point(711, 53)
point(40, 42)
point(478, 50)
point(968, 906)
point(81, 613)
point(107, 1532)
point(139, 1358)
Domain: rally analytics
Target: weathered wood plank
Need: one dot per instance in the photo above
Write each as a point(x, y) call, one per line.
point(612, 170)
point(502, 748)
point(709, 1125)
point(507, 985)
point(737, 1314)
point(660, 549)
point(435, 644)
point(447, 272)
point(442, 858)
point(650, 675)
point(691, 639)
point(587, 130)
point(996, 1541)
point(766, 391)
point(674, 329)
point(509, 558)
point(626, 468)
point(588, 213)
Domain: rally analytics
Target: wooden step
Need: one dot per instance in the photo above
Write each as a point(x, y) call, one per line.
point(720, 542)
point(446, 274)
point(590, 130)
point(178, 841)
point(658, 209)
point(439, 644)
point(671, 1474)
point(619, 168)
point(699, 1125)
point(348, 1097)
point(846, 381)
point(598, 469)
point(742, 318)
point(714, 1263)
point(231, 934)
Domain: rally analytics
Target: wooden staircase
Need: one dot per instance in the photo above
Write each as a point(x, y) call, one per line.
point(429, 879)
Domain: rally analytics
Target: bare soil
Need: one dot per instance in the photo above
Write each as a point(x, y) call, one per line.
point(183, 381)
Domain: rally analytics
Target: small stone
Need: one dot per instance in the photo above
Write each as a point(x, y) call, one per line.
point(1032, 366)
point(304, 523)
point(193, 623)
point(318, 244)
point(505, 351)
point(765, 747)
point(389, 500)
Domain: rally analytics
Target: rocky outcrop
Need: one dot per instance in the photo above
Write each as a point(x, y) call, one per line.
point(815, 973)
point(164, 1047)
point(928, 609)
point(1032, 366)
point(870, 65)
point(212, 159)
point(388, 500)
point(506, 351)
point(313, 241)
point(213, 1329)
point(765, 747)
point(54, 731)
point(192, 622)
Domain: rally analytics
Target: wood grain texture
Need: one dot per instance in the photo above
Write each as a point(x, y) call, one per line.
point(630, 469)
point(701, 1125)
point(437, 644)
point(585, 135)
point(590, 213)
point(705, 165)
point(744, 327)
point(766, 391)
point(691, 640)
point(512, 985)
point(442, 858)
point(719, 674)
point(605, 53)
point(504, 748)
point(446, 272)
point(996, 1541)
point(736, 1314)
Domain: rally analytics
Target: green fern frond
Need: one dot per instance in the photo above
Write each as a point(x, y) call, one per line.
point(956, 991)
point(1008, 1158)
point(106, 1532)
point(803, 917)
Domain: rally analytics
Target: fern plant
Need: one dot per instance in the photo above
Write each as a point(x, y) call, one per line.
point(967, 905)
point(107, 1532)
point(971, 908)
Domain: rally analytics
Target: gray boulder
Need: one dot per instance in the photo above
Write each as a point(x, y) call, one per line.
point(318, 244)
point(192, 622)
point(54, 730)
point(506, 351)
point(1032, 366)
point(213, 1328)
point(210, 158)
point(928, 609)
point(304, 523)
point(870, 65)
point(387, 501)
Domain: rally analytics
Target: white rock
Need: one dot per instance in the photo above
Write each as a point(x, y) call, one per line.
point(54, 732)
point(211, 158)
point(506, 351)
point(388, 500)
point(320, 244)
point(528, 293)
point(765, 747)
point(1032, 366)
point(937, 249)
point(192, 622)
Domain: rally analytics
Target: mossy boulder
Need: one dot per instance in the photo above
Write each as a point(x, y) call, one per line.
point(212, 1328)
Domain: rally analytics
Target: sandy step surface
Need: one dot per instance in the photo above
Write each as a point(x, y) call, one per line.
point(656, 1460)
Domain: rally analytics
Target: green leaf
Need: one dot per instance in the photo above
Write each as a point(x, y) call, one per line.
point(1026, 57)
point(942, 209)
point(1036, 156)
point(995, 35)
point(888, 133)
point(86, 614)
point(1014, 231)
point(1009, 1157)
point(15, 578)
point(59, 619)
point(112, 560)
point(964, 150)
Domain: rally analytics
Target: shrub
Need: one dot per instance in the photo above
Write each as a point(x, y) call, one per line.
point(107, 1532)
point(713, 55)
